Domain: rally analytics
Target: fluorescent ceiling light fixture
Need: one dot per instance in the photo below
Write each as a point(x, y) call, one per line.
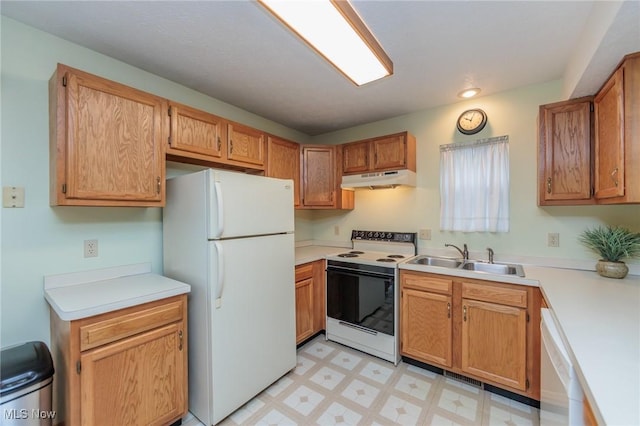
point(335, 30)
point(469, 93)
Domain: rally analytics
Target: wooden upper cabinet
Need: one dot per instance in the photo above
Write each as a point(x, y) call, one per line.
point(617, 135)
point(318, 176)
point(195, 133)
point(283, 161)
point(321, 178)
point(391, 152)
point(609, 106)
point(106, 142)
point(245, 145)
point(355, 157)
point(565, 153)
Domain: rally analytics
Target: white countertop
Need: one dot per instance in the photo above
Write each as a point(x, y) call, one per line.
point(84, 294)
point(599, 321)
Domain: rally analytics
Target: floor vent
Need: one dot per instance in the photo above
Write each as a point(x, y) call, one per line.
point(465, 379)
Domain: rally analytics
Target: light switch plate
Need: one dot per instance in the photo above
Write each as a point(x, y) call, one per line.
point(13, 196)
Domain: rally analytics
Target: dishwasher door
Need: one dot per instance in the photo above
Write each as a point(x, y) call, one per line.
point(561, 397)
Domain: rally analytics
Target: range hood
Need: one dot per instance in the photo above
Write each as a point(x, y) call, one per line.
point(379, 180)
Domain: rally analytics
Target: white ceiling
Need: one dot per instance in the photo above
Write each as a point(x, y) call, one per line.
point(236, 52)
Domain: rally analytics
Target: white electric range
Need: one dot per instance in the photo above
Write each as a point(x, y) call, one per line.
point(362, 292)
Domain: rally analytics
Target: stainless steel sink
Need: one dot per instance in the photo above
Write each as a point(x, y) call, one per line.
point(494, 268)
point(444, 262)
point(469, 265)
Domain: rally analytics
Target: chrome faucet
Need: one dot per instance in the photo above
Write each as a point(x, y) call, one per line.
point(464, 253)
point(490, 250)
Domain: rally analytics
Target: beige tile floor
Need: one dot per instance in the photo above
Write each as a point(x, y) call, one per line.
point(336, 385)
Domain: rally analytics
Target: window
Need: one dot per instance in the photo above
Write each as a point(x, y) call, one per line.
point(474, 186)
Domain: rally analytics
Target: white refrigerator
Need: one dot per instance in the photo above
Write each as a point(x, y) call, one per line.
point(230, 236)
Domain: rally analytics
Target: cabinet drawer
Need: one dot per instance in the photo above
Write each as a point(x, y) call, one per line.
point(488, 293)
point(112, 329)
point(426, 282)
point(304, 271)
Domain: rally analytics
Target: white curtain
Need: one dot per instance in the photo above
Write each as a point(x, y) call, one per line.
point(474, 186)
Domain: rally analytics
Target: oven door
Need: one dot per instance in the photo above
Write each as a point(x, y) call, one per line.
point(361, 295)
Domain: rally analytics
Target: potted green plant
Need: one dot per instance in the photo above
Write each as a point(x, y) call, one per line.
point(612, 243)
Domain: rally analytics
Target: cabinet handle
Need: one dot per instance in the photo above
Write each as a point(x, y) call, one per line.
point(219, 143)
point(230, 146)
point(158, 185)
point(613, 176)
point(464, 313)
point(548, 185)
point(448, 310)
point(180, 340)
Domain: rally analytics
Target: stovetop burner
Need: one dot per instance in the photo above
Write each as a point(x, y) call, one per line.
point(396, 256)
point(352, 253)
point(385, 259)
point(348, 255)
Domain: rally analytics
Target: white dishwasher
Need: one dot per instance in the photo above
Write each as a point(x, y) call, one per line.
point(561, 397)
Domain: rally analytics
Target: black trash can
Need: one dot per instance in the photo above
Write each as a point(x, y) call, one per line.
point(26, 377)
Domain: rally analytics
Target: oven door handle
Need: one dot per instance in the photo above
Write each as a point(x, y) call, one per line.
point(358, 273)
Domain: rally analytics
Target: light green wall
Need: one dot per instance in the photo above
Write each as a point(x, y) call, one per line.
point(39, 240)
point(513, 113)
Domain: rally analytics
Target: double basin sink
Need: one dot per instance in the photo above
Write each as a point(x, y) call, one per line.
point(469, 265)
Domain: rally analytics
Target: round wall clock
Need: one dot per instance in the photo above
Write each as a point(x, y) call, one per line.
point(472, 121)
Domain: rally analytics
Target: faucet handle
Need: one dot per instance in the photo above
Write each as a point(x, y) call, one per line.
point(490, 250)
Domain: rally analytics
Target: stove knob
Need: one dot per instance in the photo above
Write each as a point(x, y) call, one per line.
point(376, 235)
point(389, 235)
point(370, 234)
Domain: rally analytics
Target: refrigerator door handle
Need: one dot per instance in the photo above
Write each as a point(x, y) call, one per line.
point(220, 280)
point(218, 190)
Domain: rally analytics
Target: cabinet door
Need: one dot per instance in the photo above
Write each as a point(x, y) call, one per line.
point(318, 176)
point(389, 153)
point(565, 157)
point(355, 157)
point(304, 309)
point(426, 326)
point(283, 161)
point(494, 342)
point(113, 143)
point(194, 131)
point(245, 144)
point(139, 380)
point(609, 143)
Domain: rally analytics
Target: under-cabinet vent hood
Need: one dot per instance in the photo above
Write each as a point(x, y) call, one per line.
point(380, 180)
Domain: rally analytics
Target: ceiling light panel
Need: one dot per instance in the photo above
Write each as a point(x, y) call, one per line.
point(336, 32)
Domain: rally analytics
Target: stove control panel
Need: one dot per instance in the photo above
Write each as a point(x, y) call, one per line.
point(399, 237)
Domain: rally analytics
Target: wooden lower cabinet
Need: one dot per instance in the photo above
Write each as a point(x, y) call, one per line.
point(485, 330)
point(123, 367)
point(426, 319)
point(494, 342)
point(310, 299)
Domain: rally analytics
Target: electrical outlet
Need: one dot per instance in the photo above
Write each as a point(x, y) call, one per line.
point(553, 239)
point(336, 230)
point(90, 248)
point(425, 234)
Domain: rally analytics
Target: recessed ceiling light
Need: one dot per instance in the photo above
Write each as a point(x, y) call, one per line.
point(335, 30)
point(469, 93)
